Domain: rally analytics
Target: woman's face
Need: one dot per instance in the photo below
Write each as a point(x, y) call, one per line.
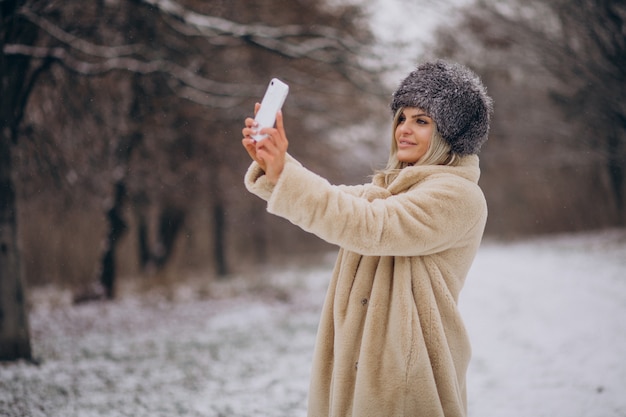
point(413, 134)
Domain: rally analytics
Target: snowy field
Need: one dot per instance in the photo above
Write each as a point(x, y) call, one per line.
point(547, 318)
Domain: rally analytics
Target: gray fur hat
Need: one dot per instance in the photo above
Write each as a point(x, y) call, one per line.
point(454, 97)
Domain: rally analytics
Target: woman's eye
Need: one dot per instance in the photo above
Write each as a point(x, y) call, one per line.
point(422, 122)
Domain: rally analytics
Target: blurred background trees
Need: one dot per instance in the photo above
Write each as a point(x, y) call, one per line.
point(133, 129)
point(121, 125)
point(121, 134)
point(556, 158)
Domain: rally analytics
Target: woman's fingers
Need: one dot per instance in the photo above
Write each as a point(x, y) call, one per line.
point(276, 135)
point(248, 143)
point(249, 128)
point(270, 151)
point(251, 147)
point(266, 147)
point(282, 141)
point(280, 127)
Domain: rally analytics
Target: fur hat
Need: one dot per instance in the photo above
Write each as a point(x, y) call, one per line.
point(454, 97)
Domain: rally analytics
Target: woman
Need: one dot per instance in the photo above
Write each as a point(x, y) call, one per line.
point(391, 341)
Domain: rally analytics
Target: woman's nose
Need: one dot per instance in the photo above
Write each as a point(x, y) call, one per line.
point(403, 128)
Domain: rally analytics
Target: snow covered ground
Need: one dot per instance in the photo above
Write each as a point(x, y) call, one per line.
point(547, 318)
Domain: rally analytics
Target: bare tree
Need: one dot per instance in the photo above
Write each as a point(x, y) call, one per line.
point(538, 57)
point(16, 83)
point(124, 71)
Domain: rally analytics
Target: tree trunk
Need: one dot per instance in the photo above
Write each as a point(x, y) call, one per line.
point(616, 169)
point(143, 236)
point(155, 252)
point(14, 333)
point(14, 91)
point(117, 227)
point(219, 223)
point(171, 221)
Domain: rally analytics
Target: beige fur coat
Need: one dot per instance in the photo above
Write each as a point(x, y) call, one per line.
point(391, 341)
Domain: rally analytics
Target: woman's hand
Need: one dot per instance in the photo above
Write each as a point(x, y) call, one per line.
point(269, 152)
point(248, 142)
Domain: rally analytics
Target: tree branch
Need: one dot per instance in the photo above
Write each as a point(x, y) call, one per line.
point(129, 64)
point(275, 39)
point(319, 43)
point(323, 44)
point(79, 44)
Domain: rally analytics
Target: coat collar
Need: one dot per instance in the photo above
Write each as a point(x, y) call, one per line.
point(468, 169)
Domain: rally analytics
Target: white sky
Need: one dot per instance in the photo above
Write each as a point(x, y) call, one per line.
point(405, 26)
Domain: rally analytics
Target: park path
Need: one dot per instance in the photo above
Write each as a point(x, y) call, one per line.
point(547, 319)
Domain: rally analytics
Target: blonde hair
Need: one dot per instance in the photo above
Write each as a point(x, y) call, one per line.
point(439, 152)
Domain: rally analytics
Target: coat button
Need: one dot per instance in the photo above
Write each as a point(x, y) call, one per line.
point(364, 301)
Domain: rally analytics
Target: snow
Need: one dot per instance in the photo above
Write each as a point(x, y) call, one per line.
point(547, 320)
point(548, 324)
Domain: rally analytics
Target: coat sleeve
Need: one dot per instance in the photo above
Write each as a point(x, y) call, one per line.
point(256, 182)
point(258, 185)
point(429, 218)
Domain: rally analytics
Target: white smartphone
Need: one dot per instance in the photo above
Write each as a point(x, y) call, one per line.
point(273, 100)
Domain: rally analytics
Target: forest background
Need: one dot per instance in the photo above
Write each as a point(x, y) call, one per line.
point(120, 154)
